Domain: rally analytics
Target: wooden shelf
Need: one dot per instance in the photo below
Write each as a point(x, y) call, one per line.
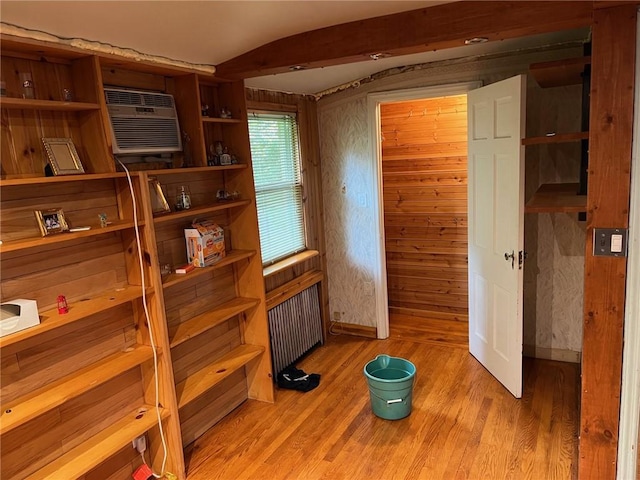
point(556, 138)
point(51, 105)
point(200, 324)
point(35, 180)
point(78, 310)
point(36, 403)
point(179, 171)
point(232, 257)
point(560, 72)
point(215, 372)
point(557, 197)
point(81, 459)
point(33, 242)
point(220, 120)
point(195, 211)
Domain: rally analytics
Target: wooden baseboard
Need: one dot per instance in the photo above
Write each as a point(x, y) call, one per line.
point(556, 354)
point(353, 329)
point(429, 314)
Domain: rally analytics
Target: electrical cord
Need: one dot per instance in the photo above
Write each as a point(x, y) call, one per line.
point(147, 316)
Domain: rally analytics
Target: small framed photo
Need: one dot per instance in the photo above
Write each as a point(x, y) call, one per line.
point(62, 156)
point(51, 221)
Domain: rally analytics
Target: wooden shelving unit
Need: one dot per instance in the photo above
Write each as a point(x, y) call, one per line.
point(98, 448)
point(212, 374)
point(561, 197)
point(33, 242)
point(91, 305)
point(557, 197)
point(556, 138)
point(206, 326)
point(49, 105)
point(559, 73)
point(44, 399)
point(208, 320)
point(231, 257)
point(202, 210)
point(220, 120)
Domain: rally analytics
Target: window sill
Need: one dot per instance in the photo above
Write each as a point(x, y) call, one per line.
point(289, 262)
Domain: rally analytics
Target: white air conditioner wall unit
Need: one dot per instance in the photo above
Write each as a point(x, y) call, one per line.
point(143, 122)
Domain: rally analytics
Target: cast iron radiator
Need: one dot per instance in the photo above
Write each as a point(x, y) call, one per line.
point(295, 328)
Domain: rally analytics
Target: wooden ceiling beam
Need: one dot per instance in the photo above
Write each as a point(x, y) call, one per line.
point(427, 29)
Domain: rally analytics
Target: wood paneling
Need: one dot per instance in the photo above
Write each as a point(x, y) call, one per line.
point(610, 139)
point(434, 28)
point(424, 167)
point(463, 424)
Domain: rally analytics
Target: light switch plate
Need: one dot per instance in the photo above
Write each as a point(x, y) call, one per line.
point(610, 242)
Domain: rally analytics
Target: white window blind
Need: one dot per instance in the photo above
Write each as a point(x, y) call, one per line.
point(276, 170)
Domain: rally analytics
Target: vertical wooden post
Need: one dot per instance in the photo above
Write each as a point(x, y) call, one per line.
point(610, 136)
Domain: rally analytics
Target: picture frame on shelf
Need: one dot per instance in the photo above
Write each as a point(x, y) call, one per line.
point(51, 221)
point(159, 204)
point(62, 156)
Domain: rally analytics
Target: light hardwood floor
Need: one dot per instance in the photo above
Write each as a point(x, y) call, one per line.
point(464, 424)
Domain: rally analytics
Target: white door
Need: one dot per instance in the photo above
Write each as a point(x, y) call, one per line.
point(496, 228)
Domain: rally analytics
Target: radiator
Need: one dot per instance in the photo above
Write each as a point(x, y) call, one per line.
point(295, 328)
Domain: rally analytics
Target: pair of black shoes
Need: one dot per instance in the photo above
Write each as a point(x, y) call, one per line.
point(295, 379)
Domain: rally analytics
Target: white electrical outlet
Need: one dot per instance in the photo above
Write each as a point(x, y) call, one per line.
point(140, 444)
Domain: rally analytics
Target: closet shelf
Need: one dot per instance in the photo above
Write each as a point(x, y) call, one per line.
point(195, 211)
point(78, 310)
point(559, 73)
point(213, 373)
point(232, 257)
point(557, 197)
point(51, 105)
point(81, 459)
point(33, 242)
point(200, 324)
point(36, 403)
point(556, 138)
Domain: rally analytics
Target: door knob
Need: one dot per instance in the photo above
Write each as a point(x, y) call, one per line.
point(511, 256)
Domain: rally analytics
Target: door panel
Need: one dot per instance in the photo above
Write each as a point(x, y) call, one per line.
point(496, 228)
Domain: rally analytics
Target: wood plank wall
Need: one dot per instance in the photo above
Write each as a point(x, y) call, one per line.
point(424, 167)
point(306, 109)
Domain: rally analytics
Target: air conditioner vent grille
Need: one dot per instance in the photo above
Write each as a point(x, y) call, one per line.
point(143, 122)
point(151, 100)
point(123, 97)
point(153, 134)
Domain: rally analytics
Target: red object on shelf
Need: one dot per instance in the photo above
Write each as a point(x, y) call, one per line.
point(62, 305)
point(143, 472)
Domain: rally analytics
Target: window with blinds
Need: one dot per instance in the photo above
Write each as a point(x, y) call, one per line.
point(275, 155)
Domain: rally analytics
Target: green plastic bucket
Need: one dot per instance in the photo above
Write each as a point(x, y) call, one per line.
point(390, 382)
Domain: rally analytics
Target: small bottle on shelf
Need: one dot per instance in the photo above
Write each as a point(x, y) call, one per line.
point(26, 82)
point(183, 198)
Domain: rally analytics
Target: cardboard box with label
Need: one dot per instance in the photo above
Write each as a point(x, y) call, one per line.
point(205, 243)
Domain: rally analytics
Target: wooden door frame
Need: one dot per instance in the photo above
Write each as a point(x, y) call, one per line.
point(374, 100)
point(630, 397)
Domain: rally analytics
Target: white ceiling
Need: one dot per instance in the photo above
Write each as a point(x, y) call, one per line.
point(211, 32)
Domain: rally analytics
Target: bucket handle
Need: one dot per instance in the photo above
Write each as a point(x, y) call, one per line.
point(383, 360)
point(389, 402)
